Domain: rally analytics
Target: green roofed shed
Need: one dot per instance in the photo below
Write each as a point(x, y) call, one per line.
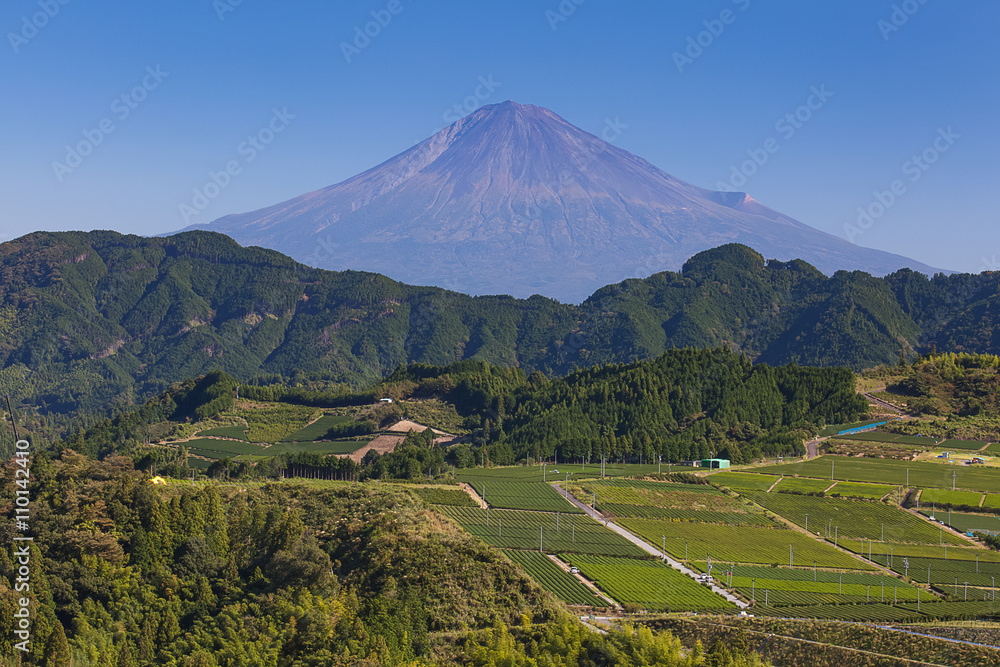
point(714, 463)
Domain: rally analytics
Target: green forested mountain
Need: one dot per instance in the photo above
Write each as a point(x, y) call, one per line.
point(92, 320)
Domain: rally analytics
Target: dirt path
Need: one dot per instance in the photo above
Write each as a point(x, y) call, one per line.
point(645, 546)
point(775, 484)
point(888, 406)
point(472, 493)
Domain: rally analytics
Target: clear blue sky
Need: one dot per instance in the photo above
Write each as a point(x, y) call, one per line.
point(220, 80)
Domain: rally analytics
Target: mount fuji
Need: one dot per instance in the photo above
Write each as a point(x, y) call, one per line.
point(513, 199)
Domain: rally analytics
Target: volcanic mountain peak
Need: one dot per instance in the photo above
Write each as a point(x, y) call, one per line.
point(514, 199)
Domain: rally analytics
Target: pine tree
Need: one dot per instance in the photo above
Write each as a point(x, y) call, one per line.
point(57, 648)
point(125, 656)
point(146, 646)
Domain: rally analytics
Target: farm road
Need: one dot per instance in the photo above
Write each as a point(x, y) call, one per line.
point(645, 546)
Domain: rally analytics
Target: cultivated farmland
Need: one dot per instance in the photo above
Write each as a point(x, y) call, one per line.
point(554, 579)
point(648, 583)
point(861, 490)
point(701, 516)
point(853, 518)
point(801, 485)
point(739, 544)
point(921, 474)
point(317, 429)
point(743, 480)
point(511, 529)
point(535, 496)
point(948, 497)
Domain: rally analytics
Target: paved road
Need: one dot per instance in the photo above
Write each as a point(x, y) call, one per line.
point(812, 447)
point(645, 546)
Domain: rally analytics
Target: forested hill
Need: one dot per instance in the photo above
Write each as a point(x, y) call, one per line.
point(685, 404)
point(91, 320)
point(284, 575)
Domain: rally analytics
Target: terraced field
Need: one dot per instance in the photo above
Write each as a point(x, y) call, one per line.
point(565, 533)
point(948, 445)
point(861, 490)
point(967, 522)
point(317, 429)
point(947, 573)
point(702, 516)
point(739, 544)
point(881, 549)
point(556, 472)
point(535, 496)
point(801, 485)
point(924, 475)
point(331, 447)
point(958, 609)
point(948, 497)
point(554, 579)
point(649, 583)
point(235, 432)
point(742, 480)
point(219, 449)
point(853, 519)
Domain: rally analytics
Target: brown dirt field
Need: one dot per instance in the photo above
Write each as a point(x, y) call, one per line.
point(406, 425)
point(383, 444)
